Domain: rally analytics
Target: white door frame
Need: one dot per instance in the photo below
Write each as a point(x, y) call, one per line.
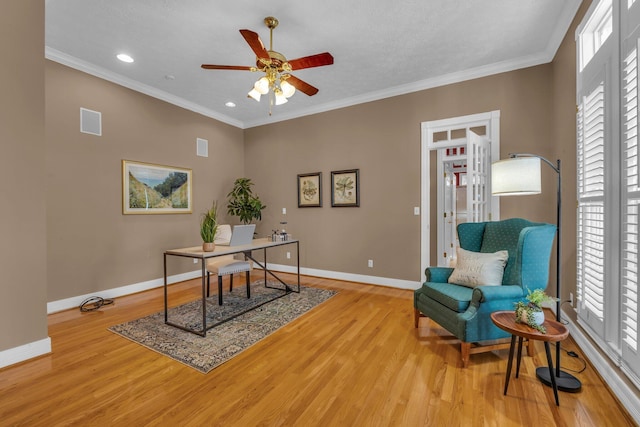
point(491, 120)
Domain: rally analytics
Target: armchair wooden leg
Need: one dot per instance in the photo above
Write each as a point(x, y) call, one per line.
point(465, 350)
point(416, 316)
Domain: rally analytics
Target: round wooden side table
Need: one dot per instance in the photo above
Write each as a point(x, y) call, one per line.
point(506, 320)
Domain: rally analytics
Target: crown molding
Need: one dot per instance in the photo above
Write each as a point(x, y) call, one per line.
point(80, 65)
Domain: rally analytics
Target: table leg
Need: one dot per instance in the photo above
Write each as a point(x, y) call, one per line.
point(166, 314)
point(551, 373)
point(298, 262)
point(519, 356)
point(509, 364)
point(204, 300)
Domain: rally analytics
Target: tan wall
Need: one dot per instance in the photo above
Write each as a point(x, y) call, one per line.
point(92, 246)
point(23, 286)
point(564, 136)
point(382, 139)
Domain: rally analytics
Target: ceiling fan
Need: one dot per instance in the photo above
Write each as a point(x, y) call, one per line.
point(276, 67)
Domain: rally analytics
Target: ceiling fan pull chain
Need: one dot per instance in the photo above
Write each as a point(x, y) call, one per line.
point(270, 101)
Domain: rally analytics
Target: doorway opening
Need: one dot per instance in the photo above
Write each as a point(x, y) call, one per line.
point(460, 184)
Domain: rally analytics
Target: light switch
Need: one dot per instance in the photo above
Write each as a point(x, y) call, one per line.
point(416, 210)
point(284, 211)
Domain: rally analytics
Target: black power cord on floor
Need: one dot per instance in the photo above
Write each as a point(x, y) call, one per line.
point(573, 355)
point(94, 303)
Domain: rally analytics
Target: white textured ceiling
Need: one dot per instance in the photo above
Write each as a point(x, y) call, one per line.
point(381, 48)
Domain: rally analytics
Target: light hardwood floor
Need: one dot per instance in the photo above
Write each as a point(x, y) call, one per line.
point(355, 360)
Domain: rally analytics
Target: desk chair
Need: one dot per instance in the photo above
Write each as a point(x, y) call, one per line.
point(227, 265)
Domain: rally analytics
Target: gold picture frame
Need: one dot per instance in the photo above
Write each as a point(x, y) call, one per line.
point(149, 188)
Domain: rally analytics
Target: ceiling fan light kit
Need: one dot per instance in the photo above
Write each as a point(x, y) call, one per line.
point(277, 82)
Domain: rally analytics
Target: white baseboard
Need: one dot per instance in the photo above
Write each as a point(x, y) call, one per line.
point(360, 278)
point(74, 302)
point(24, 352)
point(616, 383)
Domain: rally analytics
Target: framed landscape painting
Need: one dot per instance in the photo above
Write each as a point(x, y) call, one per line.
point(345, 188)
point(310, 190)
point(155, 189)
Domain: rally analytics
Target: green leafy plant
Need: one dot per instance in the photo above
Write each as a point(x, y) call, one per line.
point(243, 203)
point(209, 224)
point(535, 299)
point(538, 297)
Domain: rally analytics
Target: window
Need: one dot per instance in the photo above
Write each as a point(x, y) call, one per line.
point(596, 31)
point(608, 160)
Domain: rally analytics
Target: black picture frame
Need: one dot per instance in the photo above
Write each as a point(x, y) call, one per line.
point(345, 188)
point(310, 190)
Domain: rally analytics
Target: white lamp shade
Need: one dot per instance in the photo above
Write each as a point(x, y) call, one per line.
point(253, 93)
point(280, 98)
point(287, 89)
point(262, 86)
point(516, 176)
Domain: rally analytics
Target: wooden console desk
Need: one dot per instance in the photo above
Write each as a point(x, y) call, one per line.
point(198, 253)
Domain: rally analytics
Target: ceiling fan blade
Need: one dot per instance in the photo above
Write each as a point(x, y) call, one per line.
point(302, 86)
point(226, 67)
point(311, 61)
point(255, 43)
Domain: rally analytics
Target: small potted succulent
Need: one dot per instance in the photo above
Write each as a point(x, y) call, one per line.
point(530, 312)
point(209, 228)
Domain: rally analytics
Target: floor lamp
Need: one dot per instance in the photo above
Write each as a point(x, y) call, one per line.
point(520, 175)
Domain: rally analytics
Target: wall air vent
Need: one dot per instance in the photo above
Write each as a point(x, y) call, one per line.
point(90, 122)
point(202, 148)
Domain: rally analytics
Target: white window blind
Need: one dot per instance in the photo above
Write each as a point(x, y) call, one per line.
point(608, 160)
point(630, 211)
point(591, 206)
point(632, 201)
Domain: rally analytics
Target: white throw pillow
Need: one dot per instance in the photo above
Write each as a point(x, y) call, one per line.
point(477, 268)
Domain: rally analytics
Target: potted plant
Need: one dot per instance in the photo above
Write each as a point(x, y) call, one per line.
point(209, 228)
point(530, 312)
point(243, 203)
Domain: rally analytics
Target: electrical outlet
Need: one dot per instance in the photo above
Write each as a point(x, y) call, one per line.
point(195, 260)
point(284, 211)
point(571, 299)
point(370, 263)
point(288, 255)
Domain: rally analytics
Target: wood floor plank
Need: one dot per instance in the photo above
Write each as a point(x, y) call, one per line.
point(355, 360)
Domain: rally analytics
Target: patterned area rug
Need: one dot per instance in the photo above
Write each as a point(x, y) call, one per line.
point(227, 339)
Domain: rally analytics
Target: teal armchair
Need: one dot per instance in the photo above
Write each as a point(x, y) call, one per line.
point(465, 311)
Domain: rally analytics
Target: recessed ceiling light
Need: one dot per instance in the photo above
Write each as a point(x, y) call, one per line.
point(230, 104)
point(124, 57)
point(170, 77)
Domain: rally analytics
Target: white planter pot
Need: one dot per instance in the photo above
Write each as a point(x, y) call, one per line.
point(538, 317)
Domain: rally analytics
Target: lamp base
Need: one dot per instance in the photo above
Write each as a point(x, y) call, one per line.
point(565, 382)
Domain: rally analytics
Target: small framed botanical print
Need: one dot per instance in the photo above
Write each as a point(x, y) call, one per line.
point(310, 190)
point(345, 188)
